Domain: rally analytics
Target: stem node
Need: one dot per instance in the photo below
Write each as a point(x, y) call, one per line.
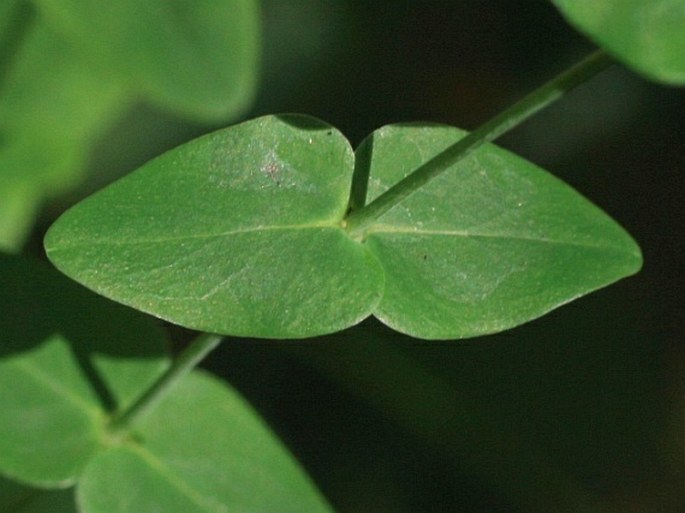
point(184, 363)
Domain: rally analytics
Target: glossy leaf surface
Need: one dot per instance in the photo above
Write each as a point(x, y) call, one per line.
point(238, 232)
point(199, 58)
point(67, 357)
point(645, 35)
point(489, 244)
point(203, 450)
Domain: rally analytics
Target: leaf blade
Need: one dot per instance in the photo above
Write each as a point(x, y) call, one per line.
point(646, 36)
point(57, 379)
point(278, 284)
point(204, 450)
point(238, 232)
point(51, 108)
point(196, 59)
point(492, 243)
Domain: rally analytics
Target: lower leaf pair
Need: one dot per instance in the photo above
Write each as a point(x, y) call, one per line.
point(69, 360)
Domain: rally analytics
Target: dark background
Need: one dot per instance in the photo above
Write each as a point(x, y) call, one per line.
point(582, 410)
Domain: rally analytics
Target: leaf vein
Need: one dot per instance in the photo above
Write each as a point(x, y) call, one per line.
point(126, 241)
point(177, 482)
point(467, 234)
point(56, 387)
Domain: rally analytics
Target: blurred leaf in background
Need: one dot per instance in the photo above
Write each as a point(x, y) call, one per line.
point(646, 36)
point(70, 69)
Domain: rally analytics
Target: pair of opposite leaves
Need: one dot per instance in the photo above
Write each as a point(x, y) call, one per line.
point(242, 232)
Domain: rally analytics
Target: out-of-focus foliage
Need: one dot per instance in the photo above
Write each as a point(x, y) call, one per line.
point(69, 69)
point(645, 35)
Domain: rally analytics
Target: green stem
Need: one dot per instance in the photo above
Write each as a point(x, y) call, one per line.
point(359, 220)
point(184, 363)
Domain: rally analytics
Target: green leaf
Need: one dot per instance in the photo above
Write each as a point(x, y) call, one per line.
point(490, 244)
point(203, 450)
point(645, 35)
point(67, 359)
point(51, 109)
point(238, 232)
point(198, 58)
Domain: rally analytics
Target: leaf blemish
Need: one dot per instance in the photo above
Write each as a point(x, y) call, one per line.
point(271, 166)
point(271, 169)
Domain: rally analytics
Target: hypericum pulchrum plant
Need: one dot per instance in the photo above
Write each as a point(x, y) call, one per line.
point(277, 228)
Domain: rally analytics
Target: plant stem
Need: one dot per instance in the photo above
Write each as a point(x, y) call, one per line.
point(184, 363)
point(360, 219)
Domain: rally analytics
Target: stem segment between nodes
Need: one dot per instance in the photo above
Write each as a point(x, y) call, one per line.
point(359, 220)
point(184, 363)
